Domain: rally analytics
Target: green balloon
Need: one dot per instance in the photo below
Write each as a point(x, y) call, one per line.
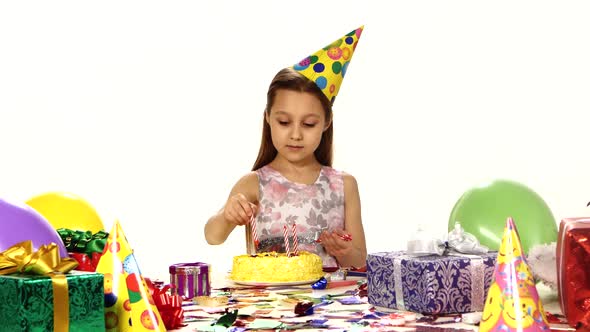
point(483, 211)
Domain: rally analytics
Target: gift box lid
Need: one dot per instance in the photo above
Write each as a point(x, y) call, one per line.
point(430, 258)
point(189, 268)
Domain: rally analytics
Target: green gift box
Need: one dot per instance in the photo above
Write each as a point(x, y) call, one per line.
point(26, 302)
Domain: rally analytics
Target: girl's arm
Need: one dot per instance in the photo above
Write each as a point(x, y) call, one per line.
point(348, 253)
point(353, 225)
point(240, 206)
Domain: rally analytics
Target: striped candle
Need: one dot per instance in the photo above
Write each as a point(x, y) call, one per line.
point(286, 236)
point(254, 231)
point(295, 240)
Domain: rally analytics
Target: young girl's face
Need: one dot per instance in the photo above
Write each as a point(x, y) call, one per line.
point(297, 121)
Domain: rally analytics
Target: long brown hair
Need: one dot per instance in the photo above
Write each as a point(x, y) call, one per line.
point(289, 79)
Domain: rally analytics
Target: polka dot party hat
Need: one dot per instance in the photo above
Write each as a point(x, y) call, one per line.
point(127, 301)
point(327, 67)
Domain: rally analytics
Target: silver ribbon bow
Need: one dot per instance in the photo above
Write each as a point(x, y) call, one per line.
point(458, 242)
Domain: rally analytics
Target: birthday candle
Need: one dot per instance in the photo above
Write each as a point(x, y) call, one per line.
point(295, 240)
point(254, 231)
point(286, 236)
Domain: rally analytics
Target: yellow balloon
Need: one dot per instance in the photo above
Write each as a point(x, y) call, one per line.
point(66, 210)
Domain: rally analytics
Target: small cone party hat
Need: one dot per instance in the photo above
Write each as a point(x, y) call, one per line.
point(128, 303)
point(512, 302)
point(328, 66)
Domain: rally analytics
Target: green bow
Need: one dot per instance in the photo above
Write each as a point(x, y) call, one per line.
point(83, 241)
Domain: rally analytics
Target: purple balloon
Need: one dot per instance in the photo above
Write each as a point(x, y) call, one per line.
point(20, 222)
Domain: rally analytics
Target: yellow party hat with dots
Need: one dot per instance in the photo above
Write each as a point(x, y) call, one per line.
point(512, 303)
point(327, 67)
point(129, 306)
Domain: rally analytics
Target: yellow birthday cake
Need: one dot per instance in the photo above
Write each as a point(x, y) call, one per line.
point(277, 267)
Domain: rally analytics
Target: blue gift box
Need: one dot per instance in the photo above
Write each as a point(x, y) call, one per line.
point(429, 284)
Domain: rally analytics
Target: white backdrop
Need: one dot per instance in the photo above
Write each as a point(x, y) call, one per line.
point(152, 110)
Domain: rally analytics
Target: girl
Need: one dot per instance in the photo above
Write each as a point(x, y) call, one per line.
point(292, 181)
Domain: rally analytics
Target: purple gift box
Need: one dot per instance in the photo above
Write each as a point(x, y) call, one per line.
point(190, 279)
point(429, 284)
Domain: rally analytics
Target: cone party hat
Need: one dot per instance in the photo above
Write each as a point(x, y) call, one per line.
point(128, 303)
point(512, 302)
point(328, 66)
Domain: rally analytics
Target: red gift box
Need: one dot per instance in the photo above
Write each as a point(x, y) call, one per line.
point(573, 270)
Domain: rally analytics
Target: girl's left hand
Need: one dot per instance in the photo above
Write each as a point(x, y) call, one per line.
point(336, 243)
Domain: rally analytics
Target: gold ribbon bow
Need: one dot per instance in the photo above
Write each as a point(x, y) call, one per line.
point(20, 258)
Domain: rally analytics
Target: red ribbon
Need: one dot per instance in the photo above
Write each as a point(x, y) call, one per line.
point(169, 306)
point(85, 262)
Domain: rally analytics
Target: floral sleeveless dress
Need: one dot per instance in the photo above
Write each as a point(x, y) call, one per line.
point(311, 208)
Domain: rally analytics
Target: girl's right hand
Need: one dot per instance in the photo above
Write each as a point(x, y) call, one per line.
point(238, 210)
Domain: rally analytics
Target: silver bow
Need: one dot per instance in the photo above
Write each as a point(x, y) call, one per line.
point(458, 241)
